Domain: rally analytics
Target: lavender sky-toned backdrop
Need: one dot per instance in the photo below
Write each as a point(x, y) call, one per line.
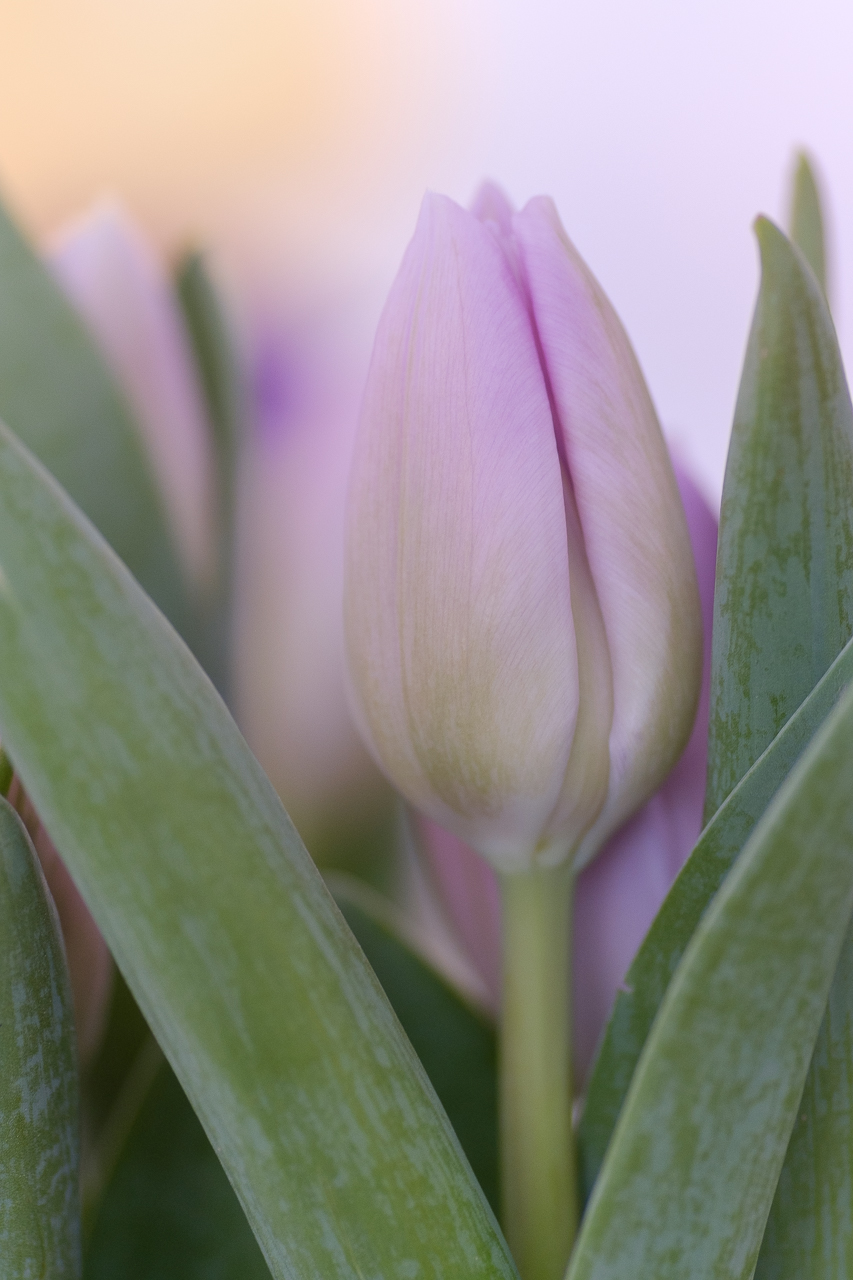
point(297, 136)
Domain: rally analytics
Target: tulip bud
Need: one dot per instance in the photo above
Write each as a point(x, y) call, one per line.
point(618, 895)
point(521, 609)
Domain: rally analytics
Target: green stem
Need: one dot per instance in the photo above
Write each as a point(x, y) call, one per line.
point(537, 1145)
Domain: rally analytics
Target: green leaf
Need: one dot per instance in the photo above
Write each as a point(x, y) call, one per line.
point(220, 380)
point(809, 1232)
point(693, 1164)
point(221, 383)
point(39, 1113)
point(656, 961)
point(783, 606)
point(259, 995)
point(170, 1212)
point(58, 395)
point(807, 219)
point(457, 1045)
point(169, 1209)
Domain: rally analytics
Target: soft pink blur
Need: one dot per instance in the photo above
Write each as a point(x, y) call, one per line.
point(121, 289)
point(619, 893)
point(290, 700)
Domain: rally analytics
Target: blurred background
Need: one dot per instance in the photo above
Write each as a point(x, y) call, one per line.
point(295, 138)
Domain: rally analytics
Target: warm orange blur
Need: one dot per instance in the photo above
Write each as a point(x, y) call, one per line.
point(174, 105)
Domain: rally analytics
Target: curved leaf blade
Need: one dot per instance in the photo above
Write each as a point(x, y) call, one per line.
point(691, 1171)
point(39, 1105)
point(783, 607)
point(456, 1045)
point(809, 1233)
point(256, 990)
point(646, 982)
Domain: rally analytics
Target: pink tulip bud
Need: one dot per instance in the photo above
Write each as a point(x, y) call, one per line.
point(618, 895)
point(522, 616)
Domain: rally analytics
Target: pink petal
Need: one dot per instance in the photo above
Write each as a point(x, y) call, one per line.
point(619, 893)
point(633, 522)
point(457, 605)
point(121, 291)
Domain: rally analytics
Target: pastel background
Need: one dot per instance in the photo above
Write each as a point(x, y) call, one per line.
point(296, 138)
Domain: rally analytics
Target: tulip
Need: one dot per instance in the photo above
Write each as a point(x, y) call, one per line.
point(115, 282)
point(619, 893)
point(522, 618)
point(522, 615)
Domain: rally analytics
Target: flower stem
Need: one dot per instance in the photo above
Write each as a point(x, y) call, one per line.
point(537, 1146)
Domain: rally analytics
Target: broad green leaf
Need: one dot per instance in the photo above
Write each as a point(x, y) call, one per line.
point(59, 397)
point(656, 961)
point(457, 1046)
point(809, 1232)
point(39, 1114)
point(693, 1164)
point(783, 606)
point(275, 1025)
point(170, 1212)
point(169, 1209)
point(807, 219)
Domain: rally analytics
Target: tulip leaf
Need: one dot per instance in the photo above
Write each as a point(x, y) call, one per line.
point(58, 395)
point(169, 1212)
point(807, 231)
point(809, 1232)
point(692, 1167)
point(169, 1209)
point(457, 1046)
point(219, 376)
point(783, 606)
point(260, 997)
point(39, 1110)
point(657, 959)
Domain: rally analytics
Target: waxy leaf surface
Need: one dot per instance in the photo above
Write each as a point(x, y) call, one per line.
point(783, 606)
point(255, 988)
point(692, 1167)
point(39, 1104)
point(457, 1046)
point(810, 1229)
point(656, 961)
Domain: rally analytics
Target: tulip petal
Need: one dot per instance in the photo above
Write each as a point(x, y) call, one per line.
point(457, 601)
point(632, 519)
point(113, 280)
point(619, 893)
